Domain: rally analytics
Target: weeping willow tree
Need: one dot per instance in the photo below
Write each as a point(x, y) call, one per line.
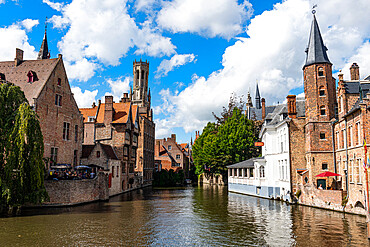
point(22, 167)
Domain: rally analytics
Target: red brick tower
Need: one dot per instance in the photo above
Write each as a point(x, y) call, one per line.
point(319, 88)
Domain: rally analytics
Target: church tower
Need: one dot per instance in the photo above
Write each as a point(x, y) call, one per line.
point(44, 50)
point(320, 104)
point(258, 98)
point(140, 95)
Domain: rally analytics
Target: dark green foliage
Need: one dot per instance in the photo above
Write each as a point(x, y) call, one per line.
point(22, 166)
point(221, 145)
point(169, 178)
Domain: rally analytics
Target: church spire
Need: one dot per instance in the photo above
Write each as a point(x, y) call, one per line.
point(258, 98)
point(316, 50)
point(44, 50)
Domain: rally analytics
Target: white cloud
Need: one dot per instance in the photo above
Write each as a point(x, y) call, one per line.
point(102, 32)
point(362, 58)
point(28, 24)
point(84, 99)
point(210, 18)
point(15, 36)
point(118, 87)
point(177, 60)
point(56, 6)
point(144, 5)
point(2, 1)
point(274, 55)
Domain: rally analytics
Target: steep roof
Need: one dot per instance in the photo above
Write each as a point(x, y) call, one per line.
point(256, 114)
point(88, 112)
point(316, 50)
point(244, 164)
point(86, 151)
point(121, 112)
point(18, 75)
point(44, 50)
point(108, 150)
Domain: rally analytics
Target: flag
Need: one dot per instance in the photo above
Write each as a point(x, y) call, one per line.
point(365, 147)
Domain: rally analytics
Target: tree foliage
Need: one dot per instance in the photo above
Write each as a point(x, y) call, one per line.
point(22, 167)
point(223, 144)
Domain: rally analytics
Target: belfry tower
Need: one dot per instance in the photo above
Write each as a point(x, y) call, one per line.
point(320, 104)
point(140, 94)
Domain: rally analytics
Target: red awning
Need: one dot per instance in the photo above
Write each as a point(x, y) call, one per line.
point(328, 174)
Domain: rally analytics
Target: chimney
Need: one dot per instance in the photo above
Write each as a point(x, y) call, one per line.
point(157, 148)
point(108, 112)
point(125, 98)
point(93, 105)
point(292, 106)
point(18, 56)
point(340, 76)
point(173, 137)
point(355, 72)
point(263, 109)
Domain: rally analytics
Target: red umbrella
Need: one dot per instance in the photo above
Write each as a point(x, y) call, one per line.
point(328, 174)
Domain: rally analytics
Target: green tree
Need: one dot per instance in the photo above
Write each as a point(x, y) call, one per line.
point(22, 167)
point(221, 145)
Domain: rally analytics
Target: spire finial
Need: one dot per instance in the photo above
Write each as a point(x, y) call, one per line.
point(46, 23)
point(313, 9)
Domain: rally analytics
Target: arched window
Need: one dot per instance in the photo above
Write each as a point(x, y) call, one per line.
point(322, 91)
point(137, 74)
point(322, 111)
point(31, 76)
point(59, 82)
point(142, 75)
point(321, 72)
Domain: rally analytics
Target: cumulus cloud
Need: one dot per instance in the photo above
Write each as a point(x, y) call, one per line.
point(176, 61)
point(84, 99)
point(99, 33)
point(274, 55)
point(209, 18)
point(56, 6)
point(28, 24)
point(118, 87)
point(15, 36)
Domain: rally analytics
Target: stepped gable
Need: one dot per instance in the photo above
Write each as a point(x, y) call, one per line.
point(18, 75)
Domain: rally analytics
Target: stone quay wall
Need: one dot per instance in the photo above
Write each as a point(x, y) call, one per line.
point(73, 192)
point(327, 199)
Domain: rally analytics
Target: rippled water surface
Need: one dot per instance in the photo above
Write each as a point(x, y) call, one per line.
point(201, 216)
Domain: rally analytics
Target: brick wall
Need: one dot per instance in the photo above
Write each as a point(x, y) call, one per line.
point(70, 192)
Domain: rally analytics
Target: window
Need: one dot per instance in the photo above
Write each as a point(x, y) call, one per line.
point(351, 171)
point(97, 154)
point(131, 168)
point(117, 171)
point(321, 71)
point(137, 74)
point(358, 133)
point(54, 155)
point(133, 153)
point(32, 77)
point(127, 136)
point(142, 75)
point(112, 171)
point(324, 166)
point(58, 100)
point(125, 151)
point(322, 91)
point(338, 140)
point(322, 136)
point(251, 172)
point(322, 111)
point(91, 119)
point(359, 179)
point(350, 136)
point(169, 147)
point(123, 168)
point(75, 158)
point(59, 83)
point(177, 156)
point(2, 77)
point(240, 172)
point(262, 171)
point(76, 133)
point(135, 138)
point(65, 131)
point(245, 172)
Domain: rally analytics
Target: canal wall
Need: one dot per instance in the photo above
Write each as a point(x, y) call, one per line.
point(72, 192)
point(212, 179)
point(327, 199)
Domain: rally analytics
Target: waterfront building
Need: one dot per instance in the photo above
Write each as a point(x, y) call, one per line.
point(270, 175)
point(170, 155)
point(115, 125)
point(45, 84)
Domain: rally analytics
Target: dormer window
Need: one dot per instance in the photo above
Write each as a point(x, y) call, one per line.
point(2, 77)
point(322, 91)
point(91, 119)
point(322, 111)
point(59, 82)
point(321, 72)
point(32, 77)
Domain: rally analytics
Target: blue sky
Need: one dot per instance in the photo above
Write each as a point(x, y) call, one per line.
point(199, 51)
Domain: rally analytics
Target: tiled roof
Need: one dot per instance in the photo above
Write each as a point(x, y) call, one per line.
point(18, 75)
point(108, 150)
point(88, 112)
point(256, 114)
point(86, 151)
point(352, 87)
point(121, 112)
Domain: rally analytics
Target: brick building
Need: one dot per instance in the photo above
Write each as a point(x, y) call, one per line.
point(140, 97)
point(115, 125)
point(45, 84)
point(170, 155)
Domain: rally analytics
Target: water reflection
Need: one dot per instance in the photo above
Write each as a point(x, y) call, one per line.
point(201, 216)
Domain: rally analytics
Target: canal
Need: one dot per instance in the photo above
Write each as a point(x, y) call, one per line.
point(199, 216)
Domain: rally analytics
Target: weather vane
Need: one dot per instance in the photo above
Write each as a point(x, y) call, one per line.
point(46, 23)
point(313, 9)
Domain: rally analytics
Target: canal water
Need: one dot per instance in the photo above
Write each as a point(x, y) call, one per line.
point(200, 216)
